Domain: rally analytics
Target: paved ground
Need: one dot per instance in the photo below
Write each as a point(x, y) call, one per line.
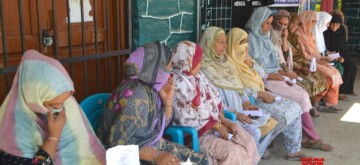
point(341, 130)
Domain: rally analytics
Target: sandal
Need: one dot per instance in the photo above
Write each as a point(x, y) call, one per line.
point(330, 109)
point(297, 157)
point(317, 145)
point(314, 112)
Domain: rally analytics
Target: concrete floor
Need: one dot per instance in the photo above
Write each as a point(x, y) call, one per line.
point(344, 136)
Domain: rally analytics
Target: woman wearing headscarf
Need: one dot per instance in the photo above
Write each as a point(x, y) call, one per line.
point(314, 83)
point(278, 36)
point(197, 104)
point(322, 23)
point(140, 109)
point(335, 41)
point(263, 52)
point(305, 49)
point(222, 73)
point(286, 112)
point(40, 120)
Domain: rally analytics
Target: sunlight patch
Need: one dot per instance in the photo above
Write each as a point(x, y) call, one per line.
point(353, 114)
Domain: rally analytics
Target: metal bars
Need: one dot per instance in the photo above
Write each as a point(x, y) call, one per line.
point(116, 38)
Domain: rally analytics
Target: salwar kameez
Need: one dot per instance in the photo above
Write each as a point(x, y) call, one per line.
point(233, 102)
point(229, 152)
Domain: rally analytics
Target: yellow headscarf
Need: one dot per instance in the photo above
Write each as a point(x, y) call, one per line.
point(237, 53)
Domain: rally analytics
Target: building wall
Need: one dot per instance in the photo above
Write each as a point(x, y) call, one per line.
point(168, 21)
point(351, 9)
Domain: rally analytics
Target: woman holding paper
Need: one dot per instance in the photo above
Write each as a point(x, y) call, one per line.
point(305, 49)
point(322, 23)
point(313, 83)
point(41, 123)
point(219, 70)
point(335, 41)
point(140, 109)
point(197, 104)
point(263, 52)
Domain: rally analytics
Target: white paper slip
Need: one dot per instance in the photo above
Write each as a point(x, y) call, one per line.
point(218, 135)
point(188, 162)
point(300, 78)
point(277, 98)
point(331, 64)
point(334, 56)
point(313, 65)
point(293, 81)
point(286, 78)
point(253, 113)
point(123, 155)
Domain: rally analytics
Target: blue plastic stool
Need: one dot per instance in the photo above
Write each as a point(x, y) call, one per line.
point(93, 107)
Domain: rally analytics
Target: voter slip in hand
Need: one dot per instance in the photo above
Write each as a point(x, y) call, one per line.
point(253, 113)
point(218, 135)
point(287, 79)
point(334, 56)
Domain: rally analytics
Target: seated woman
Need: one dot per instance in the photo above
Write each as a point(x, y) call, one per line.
point(335, 41)
point(263, 52)
point(140, 109)
point(40, 120)
point(197, 104)
point(286, 112)
point(232, 95)
point(305, 49)
point(313, 83)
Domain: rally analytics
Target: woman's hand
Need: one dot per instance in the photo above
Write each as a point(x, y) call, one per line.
point(291, 74)
point(223, 131)
point(243, 118)
point(56, 124)
point(167, 92)
point(341, 60)
point(275, 76)
point(284, 34)
point(326, 58)
point(250, 107)
point(166, 158)
point(231, 127)
point(267, 97)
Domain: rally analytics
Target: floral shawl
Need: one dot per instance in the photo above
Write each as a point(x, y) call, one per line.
point(197, 102)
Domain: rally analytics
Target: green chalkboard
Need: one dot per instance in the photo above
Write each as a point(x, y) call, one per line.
point(168, 21)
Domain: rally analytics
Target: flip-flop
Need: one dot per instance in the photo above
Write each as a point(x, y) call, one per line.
point(330, 109)
point(297, 157)
point(317, 145)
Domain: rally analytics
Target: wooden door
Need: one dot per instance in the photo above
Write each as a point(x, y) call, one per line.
point(16, 40)
point(73, 40)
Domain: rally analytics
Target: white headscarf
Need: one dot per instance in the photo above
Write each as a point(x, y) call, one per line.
point(322, 19)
